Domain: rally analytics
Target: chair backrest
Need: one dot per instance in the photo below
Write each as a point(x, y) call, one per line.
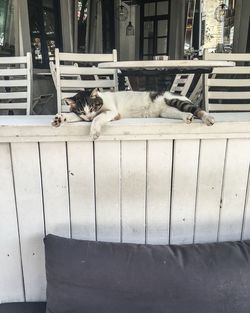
point(67, 74)
point(228, 89)
point(16, 82)
point(182, 83)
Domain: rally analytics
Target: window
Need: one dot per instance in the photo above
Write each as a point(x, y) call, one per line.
point(154, 29)
point(45, 30)
point(7, 33)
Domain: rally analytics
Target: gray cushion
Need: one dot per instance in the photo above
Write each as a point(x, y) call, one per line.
point(23, 307)
point(99, 277)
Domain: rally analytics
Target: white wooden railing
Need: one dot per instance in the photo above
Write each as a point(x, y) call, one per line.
point(154, 181)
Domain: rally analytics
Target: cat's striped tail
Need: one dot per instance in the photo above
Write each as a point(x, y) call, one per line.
point(183, 105)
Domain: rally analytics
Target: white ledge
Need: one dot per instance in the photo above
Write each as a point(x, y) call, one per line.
point(38, 129)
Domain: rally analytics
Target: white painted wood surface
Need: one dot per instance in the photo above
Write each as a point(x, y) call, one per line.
point(16, 83)
point(152, 181)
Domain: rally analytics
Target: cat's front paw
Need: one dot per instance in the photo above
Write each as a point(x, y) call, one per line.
point(188, 118)
point(95, 131)
point(58, 120)
point(208, 120)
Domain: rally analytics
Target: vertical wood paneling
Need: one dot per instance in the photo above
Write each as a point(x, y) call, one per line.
point(81, 186)
point(133, 167)
point(186, 153)
point(159, 171)
point(26, 168)
point(210, 176)
point(234, 189)
point(107, 179)
point(11, 281)
point(55, 188)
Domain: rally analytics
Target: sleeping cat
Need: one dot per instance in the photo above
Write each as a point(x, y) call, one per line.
point(102, 107)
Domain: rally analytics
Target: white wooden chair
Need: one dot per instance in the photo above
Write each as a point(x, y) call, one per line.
point(69, 78)
point(16, 83)
point(182, 83)
point(228, 89)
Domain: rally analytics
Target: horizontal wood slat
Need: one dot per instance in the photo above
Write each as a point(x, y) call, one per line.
point(228, 107)
point(236, 57)
point(232, 70)
point(13, 60)
point(86, 57)
point(229, 82)
point(105, 83)
point(13, 72)
point(13, 95)
point(18, 105)
point(73, 70)
point(13, 83)
point(228, 95)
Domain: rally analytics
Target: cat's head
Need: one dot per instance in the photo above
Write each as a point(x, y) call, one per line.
point(85, 104)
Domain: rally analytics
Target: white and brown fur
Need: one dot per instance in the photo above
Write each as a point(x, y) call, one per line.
point(102, 107)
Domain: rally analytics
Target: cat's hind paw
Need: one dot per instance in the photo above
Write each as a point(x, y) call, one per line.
point(58, 120)
point(208, 120)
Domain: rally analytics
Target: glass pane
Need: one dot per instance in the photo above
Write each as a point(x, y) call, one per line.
point(149, 9)
point(148, 29)
point(7, 32)
point(161, 45)
point(51, 49)
point(49, 22)
point(48, 4)
point(162, 7)
point(36, 49)
point(148, 46)
point(162, 28)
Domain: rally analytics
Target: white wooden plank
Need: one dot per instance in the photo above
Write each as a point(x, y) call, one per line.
point(234, 189)
point(229, 107)
point(184, 184)
point(210, 176)
point(13, 95)
point(55, 188)
point(86, 57)
point(18, 105)
point(232, 70)
point(107, 180)
point(159, 171)
point(229, 82)
point(81, 187)
point(13, 72)
point(226, 56)
point(11, 281)
point(13, 60)
point(13, 83)
point(26, 164)
point(228, 95)
point(75, 83)
point(133, 167)
point(72, 70)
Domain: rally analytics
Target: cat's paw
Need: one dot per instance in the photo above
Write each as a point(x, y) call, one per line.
point(95, 131)
point(58, 120)
point(188, 118)
point(208, 119)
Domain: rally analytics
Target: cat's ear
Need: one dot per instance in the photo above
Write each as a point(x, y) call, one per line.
point(94, 93)
point(71, 102)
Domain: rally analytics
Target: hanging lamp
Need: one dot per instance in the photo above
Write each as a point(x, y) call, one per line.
point(130, 30)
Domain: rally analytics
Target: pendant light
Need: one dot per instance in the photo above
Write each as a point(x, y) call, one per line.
point(130, 30)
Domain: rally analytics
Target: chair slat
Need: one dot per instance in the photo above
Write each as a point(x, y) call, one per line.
point(102, 83)
point(232, 70)
point(229, 82)
point(236, 57)
point(13, 83)
point(228, 95)
point(17, 105)
point(72, 70)
point(13, 60)
point(228, 107)
point(13, 95)
point(86, 57)
point(13, 72)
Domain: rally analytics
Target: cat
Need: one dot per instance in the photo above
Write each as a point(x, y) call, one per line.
point(102, 107)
